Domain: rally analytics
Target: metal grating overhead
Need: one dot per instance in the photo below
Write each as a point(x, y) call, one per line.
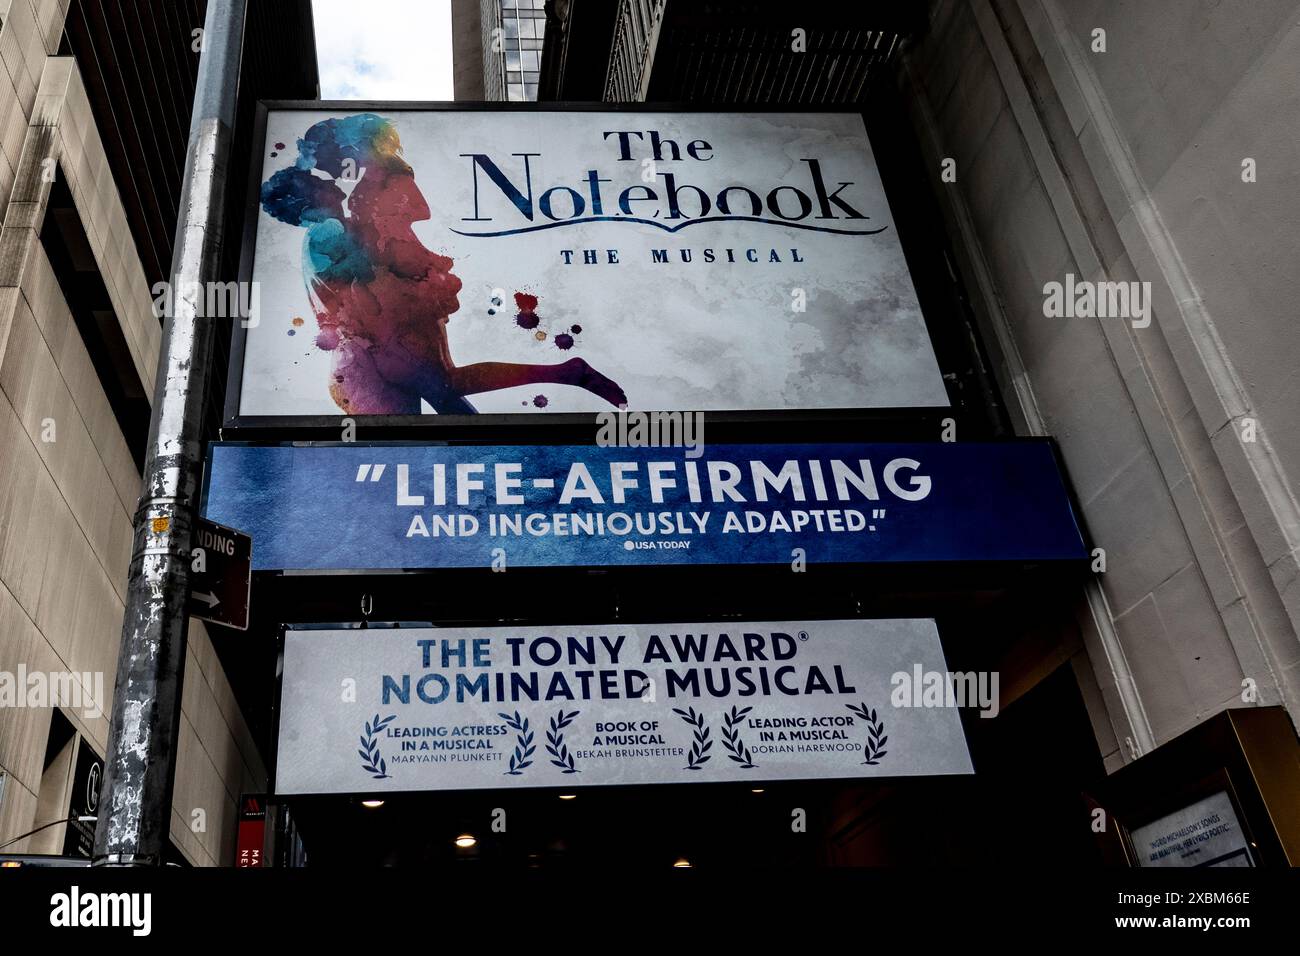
point(752, 51)
point(138, 61)
point(135, 59)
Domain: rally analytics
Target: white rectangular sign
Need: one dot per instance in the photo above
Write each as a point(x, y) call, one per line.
point(463, 261)
point(1206, 833)
point(488, 708)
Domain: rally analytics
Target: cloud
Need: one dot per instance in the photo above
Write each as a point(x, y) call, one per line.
point(384, 49)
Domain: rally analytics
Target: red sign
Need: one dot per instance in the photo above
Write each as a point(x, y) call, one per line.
point(252, 830)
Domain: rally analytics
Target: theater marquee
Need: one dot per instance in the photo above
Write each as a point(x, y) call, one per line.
point(411, 261)
point(491, 708)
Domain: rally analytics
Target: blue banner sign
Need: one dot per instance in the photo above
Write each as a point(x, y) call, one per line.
point(369, 507)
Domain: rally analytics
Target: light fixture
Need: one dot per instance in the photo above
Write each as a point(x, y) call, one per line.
point(372, 804)
point(568, 796)
point(682, 864)
point(466, 840)
point(758, 790)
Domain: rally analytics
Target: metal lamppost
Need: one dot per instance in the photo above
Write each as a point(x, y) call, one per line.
point(139, 769)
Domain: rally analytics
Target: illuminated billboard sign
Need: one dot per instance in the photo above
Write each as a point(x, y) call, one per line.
point(495, 707)
point(354, 507)
point(459, 262)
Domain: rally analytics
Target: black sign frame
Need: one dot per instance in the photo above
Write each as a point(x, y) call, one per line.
point(925, 247)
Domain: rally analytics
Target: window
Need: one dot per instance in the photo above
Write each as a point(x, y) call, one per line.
point(52, 799)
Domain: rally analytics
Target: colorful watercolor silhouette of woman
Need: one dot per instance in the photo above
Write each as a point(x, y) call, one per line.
point(381, 298)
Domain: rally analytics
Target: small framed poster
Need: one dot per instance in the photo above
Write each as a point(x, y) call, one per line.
point(1207, 832)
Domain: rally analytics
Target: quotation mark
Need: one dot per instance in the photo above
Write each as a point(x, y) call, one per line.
point(364, 470)
point(876, 515)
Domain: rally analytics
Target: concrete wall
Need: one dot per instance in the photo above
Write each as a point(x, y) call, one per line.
point(66, 503)
point(1179, 438)
point(467, 50)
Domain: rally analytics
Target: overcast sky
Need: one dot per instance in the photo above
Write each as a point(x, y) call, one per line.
point(384, 49)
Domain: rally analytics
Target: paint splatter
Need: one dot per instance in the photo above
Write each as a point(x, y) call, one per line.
point(527, 315)
point(540, 336)
point(293, 331)
point(279, 145)
point(564, 341)
point(541, 401)
point(297, 321)
point(576, 330)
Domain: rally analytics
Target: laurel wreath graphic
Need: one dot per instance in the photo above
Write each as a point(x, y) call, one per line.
point(371, 759)
point(522, 758)
point(555, 745)
point(700, 742)
point(876, 737)
point(736, 749)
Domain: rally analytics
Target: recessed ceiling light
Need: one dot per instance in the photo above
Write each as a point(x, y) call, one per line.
point(466, 840)
point(682, 864)
point(372, 804)
point(568, 796)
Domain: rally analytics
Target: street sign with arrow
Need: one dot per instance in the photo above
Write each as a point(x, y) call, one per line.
point(221, 561)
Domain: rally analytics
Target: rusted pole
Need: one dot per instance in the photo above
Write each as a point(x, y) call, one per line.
point(139, 769)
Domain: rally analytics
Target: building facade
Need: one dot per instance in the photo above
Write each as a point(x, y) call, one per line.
point(1071, 146)
point(90, 167)
point(1066, 139)
point(505, 38)
point(1090, 148)
point(1095, 212)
